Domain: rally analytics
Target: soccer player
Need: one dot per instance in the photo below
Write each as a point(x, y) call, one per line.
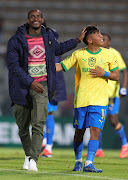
point(115, 92)
point(94, 66)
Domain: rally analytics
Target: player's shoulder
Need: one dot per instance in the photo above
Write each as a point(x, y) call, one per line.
point(114, 51)
point(106, 51)
point(109, 51)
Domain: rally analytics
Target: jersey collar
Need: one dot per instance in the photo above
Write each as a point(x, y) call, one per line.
point(92, 52)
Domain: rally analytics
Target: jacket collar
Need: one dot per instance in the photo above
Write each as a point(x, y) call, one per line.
point(21, 33)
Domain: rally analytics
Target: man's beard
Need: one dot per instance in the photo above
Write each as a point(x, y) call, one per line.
point(35, 28)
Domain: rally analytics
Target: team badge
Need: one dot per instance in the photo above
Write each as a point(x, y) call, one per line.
point(91, 61)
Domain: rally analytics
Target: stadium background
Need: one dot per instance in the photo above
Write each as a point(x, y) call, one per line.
point(68, 17)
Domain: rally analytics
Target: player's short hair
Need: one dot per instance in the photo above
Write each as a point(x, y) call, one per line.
point(35, 10)
point(105, 34)
point(90, 29)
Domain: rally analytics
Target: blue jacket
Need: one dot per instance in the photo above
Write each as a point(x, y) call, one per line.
point(17, 62)
point(60, 94)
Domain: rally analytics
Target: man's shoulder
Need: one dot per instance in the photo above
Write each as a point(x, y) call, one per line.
point(47, 30)
point(13, 39)
point(20, 30)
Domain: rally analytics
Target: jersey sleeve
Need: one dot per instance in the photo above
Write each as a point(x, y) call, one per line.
point(69, 62)
point(113, 63)
point(120, 62)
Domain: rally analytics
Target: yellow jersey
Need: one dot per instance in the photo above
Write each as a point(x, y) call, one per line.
point(114, 86)
point(90, 90)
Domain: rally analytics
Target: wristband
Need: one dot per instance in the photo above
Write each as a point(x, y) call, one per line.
point(78, 40)
point(106, 74)
point(123, 91)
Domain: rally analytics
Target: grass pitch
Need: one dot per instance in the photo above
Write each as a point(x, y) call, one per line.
point(60, 166)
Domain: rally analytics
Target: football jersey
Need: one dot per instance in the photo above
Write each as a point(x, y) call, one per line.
point(90, 90)
point(114, 86)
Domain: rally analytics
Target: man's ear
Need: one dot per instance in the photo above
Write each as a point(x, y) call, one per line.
point(28, 21)
point(42, 20)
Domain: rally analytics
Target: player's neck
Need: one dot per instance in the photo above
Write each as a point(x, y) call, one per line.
point(93, 49)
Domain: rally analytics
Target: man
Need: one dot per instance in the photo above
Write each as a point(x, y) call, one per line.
point(60, 95)
point(94, 66)
point(32, 78)
point(115, 92)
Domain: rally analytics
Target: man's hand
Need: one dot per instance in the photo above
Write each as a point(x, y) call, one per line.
point(99, 72)
point(37, 87)
point(81, 36)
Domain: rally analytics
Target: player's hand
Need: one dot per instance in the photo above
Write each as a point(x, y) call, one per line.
point(98, 72)
point(122, 92)
point(37, 87)
point(81, 36)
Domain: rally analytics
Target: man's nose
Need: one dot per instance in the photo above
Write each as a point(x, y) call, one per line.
point(36, 17)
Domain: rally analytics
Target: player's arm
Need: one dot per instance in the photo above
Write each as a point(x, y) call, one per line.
point(67, 63)
point(124, 78)
point(114, 75)
point(123, 69)
point(123, 89)
point(99, 72)
point(59, 67)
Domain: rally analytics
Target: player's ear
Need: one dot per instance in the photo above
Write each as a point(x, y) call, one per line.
point(89, 40)
point(109, 43)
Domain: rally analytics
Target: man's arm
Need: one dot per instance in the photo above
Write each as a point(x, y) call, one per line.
point(99, 72)
point(14, 64)
point(63, 47)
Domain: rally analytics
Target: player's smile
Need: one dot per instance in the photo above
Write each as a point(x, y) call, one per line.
point(97, 38)
point(101, 40)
